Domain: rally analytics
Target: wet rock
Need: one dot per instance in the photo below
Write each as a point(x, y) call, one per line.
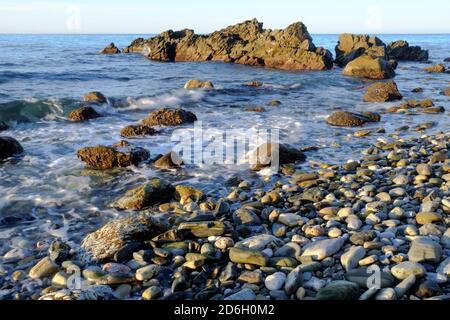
point(44, 268)
point(424, 250)
point(322, 249)
point(245, 43)
point(139, 130)
point(203, 229)
point(9, 147)
point(115, 235)
point(351, 46)
point(169, 161)
point(247, 256)
point(155, 191)
point(169, 117)
point(350, 119)
point(59, 252)
point(370, 68)
point(339, 290)
point(438, 68)
point(401, 50)
point(110, 49)
point(267, 154)
point(3, 126)
point(182, 193)
point(83, 114)
point(405, 269)
point(445, 92)
point(197, 84)
point(102, 157)
point(95, 97)
point(382, 92)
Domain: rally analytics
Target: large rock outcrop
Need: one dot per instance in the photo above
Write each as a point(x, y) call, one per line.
point(352, 46)
point(401, 50)
point(370, 68)
point(382, 92)
point(169, 117)
point(245, 43)
point(101, 157)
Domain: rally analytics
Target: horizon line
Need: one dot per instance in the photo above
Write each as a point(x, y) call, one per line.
point(152, 33)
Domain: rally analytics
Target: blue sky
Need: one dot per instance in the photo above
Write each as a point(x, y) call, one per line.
point(154, 16)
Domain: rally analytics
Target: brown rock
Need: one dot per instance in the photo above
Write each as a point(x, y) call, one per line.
point(422, 106)
point(169, 161)
point(169, 117)
point(351, 46)
point(197, 84)
point(446, 92)
point(350, 119)
point(382, 92)
point(368, 67)
point(95, 97)
point(83, 114)
point(9, 147)
point(255, 109)
point(110, 49)
point(263, 155)
point(102, 157)
point(137, 131)
point(401, 50)
point(437, 68)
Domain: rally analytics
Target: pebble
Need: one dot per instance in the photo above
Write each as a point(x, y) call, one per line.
point(351, 258)
point(386, 294)
point(152, 293)
point(275, 281)
point(147, 273)
point(243, 295)
point(424, 250)
point(322, 249)
point(406, 269)
point(44, 268)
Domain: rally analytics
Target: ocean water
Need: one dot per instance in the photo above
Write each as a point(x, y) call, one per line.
point(48, 193)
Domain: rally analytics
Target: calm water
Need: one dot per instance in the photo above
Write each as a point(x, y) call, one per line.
point(42, 78)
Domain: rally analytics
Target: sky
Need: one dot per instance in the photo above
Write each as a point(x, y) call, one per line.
point(155, 16)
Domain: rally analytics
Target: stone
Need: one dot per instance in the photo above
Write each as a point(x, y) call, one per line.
point(250, 277)
point(351, 46)
point(339, 290)
point(275, 281)
point(264, 155)
point(445, 92)
point(148, 272)
point(294, 281)
point(290, 219)
point(244, 43)
point(437, 68)
point(444, 267)
point(428, 289)
point(198, 84)
point(169, 117)
point(139, 130)
point(95, 97)
point(424, 169)
point(169, 161)
point(403, 287)
point(203, 229)
point(243, 295)
point(224, 243)
point(370, 68)
point(44, 268)
point(424, 250)
point(351, 258)
point(3, 126)
point(424, 218)
point(183, 192)
point(400, 50)
point(9, 147)
point(102, 157)
point(382, 92)
point(260, 242)
point(359, 238)
point(154, 192)
point(110, 49)
point(322, 249)
point(386, 294)
point(350, 119)
point(363, 277)
point(115, 235)
point(247, 256)
point(152, 293)
point(83, 114)
point(445, 240)
point(405, 269)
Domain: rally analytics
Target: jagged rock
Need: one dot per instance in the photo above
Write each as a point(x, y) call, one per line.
point(3, 126)
point(169, 117)
point(155, 191)
point(95, 97)
point(137, 131)
point(83, 114)
point(169, 161)
point(197, 84)
point(401, 50)
point(101, 157)
point(351, 46)
point(110, 239)
point(9, 147)
point(369, 67)
point(437, 68)
point(350, 119)
point(263, 155)
point(110, 49)
point(244, 43)
point(382, 92)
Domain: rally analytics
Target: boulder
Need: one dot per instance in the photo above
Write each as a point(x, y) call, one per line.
point(169, 117)
point(83, 114)
point(445, 92)
point(370, 68)
point(9, 147)
point(437, 68)
point(245, 43)
point(110, 49)
point(382, 92)
point(139, 130)
point(154, 192)
point(101, 157)
point(402, 51)
point(198, 84)
point(350, 119)
point(424, 250)
point(169, 161)
point(95, 97)
point(116, 235)
point(3, 126)
point(339, 290)
point(264, 155)
point(351, 46)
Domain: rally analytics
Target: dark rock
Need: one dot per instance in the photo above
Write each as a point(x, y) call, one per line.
point(169, 117)
point(370, 68)
point(382, 92)
point(428, 289)
point(339, 290)
point(351, 46)
point(110, 49)
point(359, 238)
point(59, 252)
point(9, 147)
point(102, 157)
point(361, 276)
point(265, 154)
point(139, 130)
point(350, 119)
point(3, 126)
point(417, 90)
point(95, 97)
point(402, 51)
point(83, 114)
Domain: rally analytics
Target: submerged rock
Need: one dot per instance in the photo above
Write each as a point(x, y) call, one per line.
point(169, 161)
point(437, 68)
point(169, 117)
point(114, 236)
point(402, 51)
point(139, 130)
point(83, 114)
point(382, 92)
point(198, 84)
point(110, 49)
point(155, 191)
point(350, 119)
point(264, 155)
point(351, 46)
point(95, 97)
point(9, 147)
point(102, 157)
point(370, 68)
point(245, 43)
